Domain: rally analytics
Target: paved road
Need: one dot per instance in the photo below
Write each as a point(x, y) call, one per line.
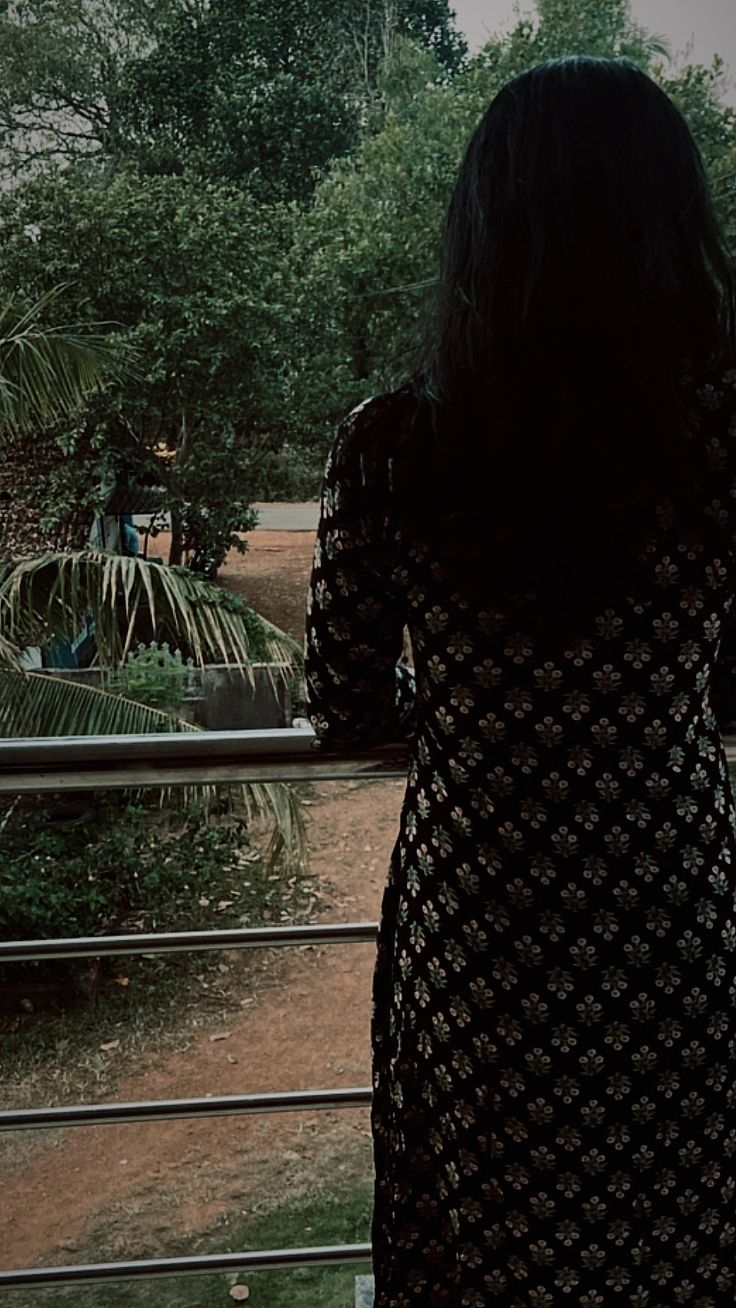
point(287, 517)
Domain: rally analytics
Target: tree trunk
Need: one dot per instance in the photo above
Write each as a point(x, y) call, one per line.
point(176, 548)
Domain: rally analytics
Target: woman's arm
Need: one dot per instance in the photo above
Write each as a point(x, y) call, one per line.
point(356, 693)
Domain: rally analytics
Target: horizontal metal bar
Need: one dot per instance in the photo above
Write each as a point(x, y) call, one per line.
point(177, 942)
point(197, 1265)
point(158, 1110)
point(52, 751)
point(46, 764)
point(130, 776)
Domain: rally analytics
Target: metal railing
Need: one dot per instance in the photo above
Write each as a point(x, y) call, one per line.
point(217, 757)
point(220, 757)
point(180, 759)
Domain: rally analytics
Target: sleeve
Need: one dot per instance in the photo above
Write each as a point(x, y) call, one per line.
point(357, 694)
point(723, 678)
point(716, 408)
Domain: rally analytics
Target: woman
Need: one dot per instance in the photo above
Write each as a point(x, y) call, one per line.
point(547, 505)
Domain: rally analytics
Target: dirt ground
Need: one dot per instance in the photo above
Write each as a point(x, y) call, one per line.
point(136, 1190)
point(273, 575)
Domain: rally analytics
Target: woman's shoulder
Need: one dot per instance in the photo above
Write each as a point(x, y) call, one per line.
point(380, 414)
point(375, 431)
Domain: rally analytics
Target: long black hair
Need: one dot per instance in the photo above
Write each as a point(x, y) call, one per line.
point(584, 279)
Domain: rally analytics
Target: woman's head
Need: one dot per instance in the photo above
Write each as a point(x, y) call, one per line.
point(583, 273)
point(581, 215)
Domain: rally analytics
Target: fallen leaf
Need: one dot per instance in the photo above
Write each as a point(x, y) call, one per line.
point(252, 857)
point(110, 1044)
point(122, 980)
point(203, 902)
point(239, 1292)
point(223, 904)
point(220, 1035)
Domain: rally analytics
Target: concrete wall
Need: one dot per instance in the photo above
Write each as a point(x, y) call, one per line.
point(228, 703)
point(222, 699)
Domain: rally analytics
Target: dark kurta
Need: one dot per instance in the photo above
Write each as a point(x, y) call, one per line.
point(554, 1015)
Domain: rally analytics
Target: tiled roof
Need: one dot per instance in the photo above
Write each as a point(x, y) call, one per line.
point(135, 499)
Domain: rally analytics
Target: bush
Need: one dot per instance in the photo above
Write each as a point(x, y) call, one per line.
point(128, 868)
point(152, 675)
point(287, 471)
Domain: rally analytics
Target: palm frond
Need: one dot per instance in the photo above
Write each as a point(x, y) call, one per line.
point(10, 654)
point(48, 372)
point(48, 597)
point(35, 704)
point(279, 806)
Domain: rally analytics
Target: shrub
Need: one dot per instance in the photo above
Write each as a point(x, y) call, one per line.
point(152, 675)
point(135, 868)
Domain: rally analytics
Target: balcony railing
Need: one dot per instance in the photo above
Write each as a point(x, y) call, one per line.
point(221, 757)
point(207, 758)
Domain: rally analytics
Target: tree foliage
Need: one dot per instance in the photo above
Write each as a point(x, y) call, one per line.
point(60, 63)
point(187, 271)
point(240, 90)
point(162, 151)
point(44, 598)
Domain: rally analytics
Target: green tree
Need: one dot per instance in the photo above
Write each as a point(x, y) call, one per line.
point(60, 62)
point(366, 247)
point(188, 269)
point(182, 122)
point(235, 89)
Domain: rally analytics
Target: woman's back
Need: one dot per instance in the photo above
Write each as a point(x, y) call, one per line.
point(555, 996)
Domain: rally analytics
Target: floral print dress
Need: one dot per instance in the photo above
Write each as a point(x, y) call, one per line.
point(554, 1004)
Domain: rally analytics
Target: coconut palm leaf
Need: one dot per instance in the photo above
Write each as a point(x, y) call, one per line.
point(34, 704)
point(47, 597)
point(48, 372)
point(278, 806)
point(9, 654)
